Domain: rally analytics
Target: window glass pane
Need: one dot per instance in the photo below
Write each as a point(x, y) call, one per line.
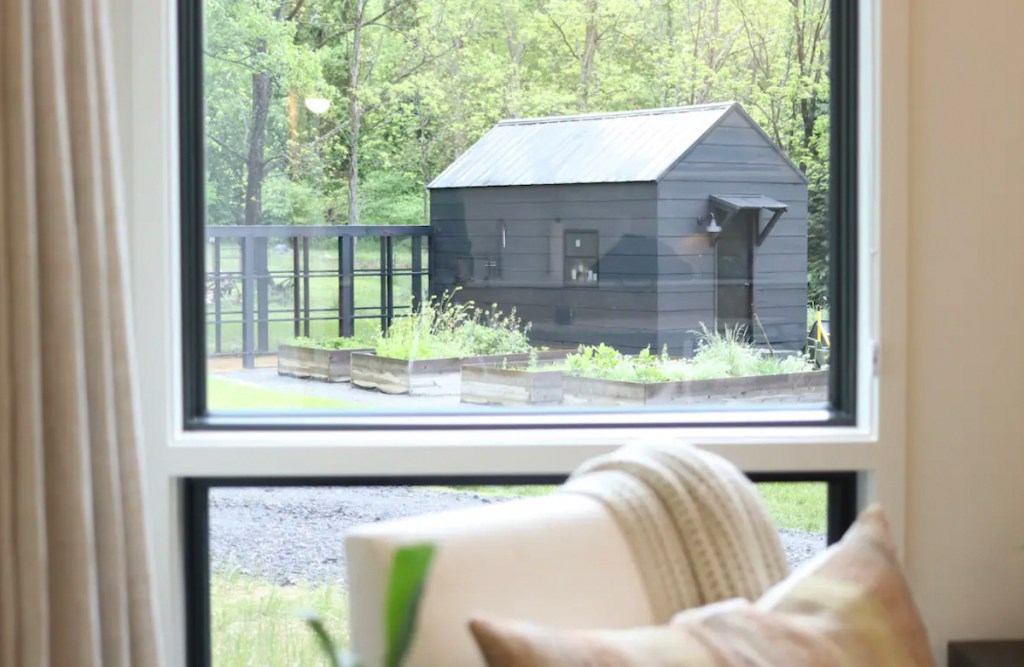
point(392, 181)
point(800, 510)
point(581, 244)
point(275, 551)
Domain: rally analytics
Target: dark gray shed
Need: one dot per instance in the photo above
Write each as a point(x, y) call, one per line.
point(631, 228)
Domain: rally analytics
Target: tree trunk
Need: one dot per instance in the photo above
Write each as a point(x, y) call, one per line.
point(255, 166)
point(513, 100)
point(809, 25)
point(254, 163)
point(355, 116)
point(424, 141)
point(425, 168)
point(426, 192)
point(589, 54)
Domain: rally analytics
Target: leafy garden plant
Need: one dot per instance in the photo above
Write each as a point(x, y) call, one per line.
point(719, 355)
point(443, 328)
point(349, 343)
point(409, 570)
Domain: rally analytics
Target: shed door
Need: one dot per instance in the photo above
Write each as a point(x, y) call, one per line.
point(735, 274)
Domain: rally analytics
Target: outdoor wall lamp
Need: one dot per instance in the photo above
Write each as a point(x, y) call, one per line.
point(708, 220)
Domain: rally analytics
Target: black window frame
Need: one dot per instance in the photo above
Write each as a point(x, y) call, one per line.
point(568, 257)
point(841, 498)
point(843, 261)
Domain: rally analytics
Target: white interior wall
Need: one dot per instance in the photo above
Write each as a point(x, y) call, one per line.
point(965, 455)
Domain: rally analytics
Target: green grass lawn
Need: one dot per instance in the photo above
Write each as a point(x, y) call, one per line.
point(227, 394)
point(257, 624)
point(797, 505)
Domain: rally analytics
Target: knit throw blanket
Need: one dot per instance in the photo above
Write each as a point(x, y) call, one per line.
point(694, 523)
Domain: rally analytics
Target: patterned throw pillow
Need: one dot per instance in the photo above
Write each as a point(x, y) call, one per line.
point(849, 607)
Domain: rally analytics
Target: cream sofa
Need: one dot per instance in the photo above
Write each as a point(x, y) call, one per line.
point(558, 560)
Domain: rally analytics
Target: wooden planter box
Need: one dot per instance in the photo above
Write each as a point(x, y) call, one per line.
point(489, 384)
point(791, 387)
point(313, 363)
point(425, 377)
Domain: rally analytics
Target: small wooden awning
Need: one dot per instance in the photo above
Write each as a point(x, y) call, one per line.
point(736, 203)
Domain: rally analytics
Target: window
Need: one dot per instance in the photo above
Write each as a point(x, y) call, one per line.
point(581, 259)
point(265, 551)
point(255, 433)
point(347, 214)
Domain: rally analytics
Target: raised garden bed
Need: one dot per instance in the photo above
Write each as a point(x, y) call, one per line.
point(513, 385)
point(792, 387)
point(427, 377)
point(316, 363)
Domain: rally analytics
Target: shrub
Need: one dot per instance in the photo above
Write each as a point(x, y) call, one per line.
point(493, 332)
point(290, 202)
point(725, 354)
point(443, 329)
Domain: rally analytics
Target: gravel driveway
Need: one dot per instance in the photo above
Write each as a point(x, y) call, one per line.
point(285, 535)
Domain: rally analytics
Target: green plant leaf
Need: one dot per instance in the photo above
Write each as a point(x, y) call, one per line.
point(405, 590)
point(335, 656)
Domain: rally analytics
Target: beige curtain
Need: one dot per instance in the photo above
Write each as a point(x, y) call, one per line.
point(75, 583)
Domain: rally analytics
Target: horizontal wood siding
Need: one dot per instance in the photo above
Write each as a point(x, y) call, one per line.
point(734, 135)
point(734, 159)
point(545, 295)
point(656, 267)
point(623, 338)
point(446, 230)
point(696, 187)
point(566, 211)
point(782, 244)
point(717, 172)
point(709, 153)
point(506, 246)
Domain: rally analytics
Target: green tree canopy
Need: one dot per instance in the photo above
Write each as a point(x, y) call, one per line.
point(413, 83)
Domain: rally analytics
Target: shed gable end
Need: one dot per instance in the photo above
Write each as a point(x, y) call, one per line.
point(735, 149)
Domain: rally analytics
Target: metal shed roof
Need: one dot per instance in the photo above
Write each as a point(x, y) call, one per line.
point(621, 147)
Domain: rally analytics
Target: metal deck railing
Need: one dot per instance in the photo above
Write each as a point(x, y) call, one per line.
point(242, 294)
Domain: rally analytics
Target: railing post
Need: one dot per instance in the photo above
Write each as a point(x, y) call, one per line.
point(296, 305)
point(263, 292)
point(248, 288)
point(305, 286)
point(253, 277)
point(417, 270)
point(389, 306)
point(383, 284)
point(346, 286)
point(216, 296)
point(431, 263)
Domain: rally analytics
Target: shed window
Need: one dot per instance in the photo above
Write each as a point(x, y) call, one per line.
point(581, 259)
